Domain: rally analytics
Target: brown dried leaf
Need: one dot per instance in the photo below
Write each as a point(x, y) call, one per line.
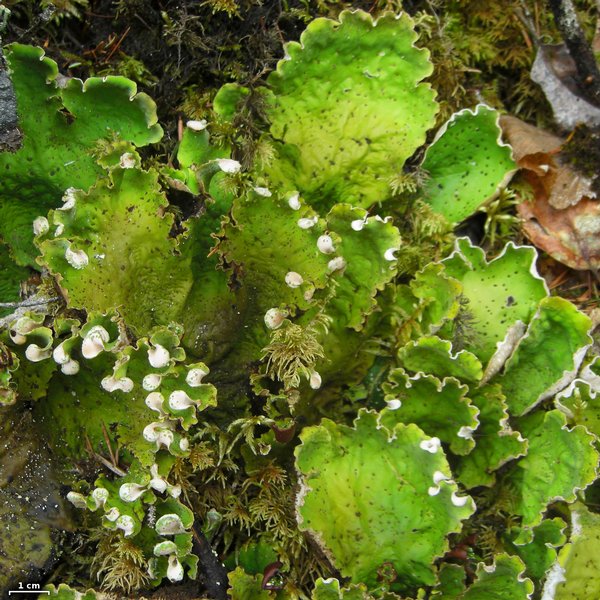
point(570, 235)
point(538, 151)
point(564, 217)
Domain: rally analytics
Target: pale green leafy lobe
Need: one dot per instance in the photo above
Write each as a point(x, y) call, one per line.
point(367, 246)
point(540, 553)
point(344, 471)
point(547, 357)
point(500, 292)
point(275, 258)
point(466, 163)
point(128, 259)
point(580, 559)
point(497, 443)
point(581, 403)
point(503, 580)
point(348, 108)
point(434, 356)
point(451, 582)
point(559, 462)
point(56, 154)
point(64, 592)
point(330, 589)
point(439, 408)
point(247, 587)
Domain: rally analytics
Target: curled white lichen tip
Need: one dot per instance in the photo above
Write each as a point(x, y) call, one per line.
point(127, 161)
point(157, 482)
point(389, 254)
point(307, 223)
point(154, 401)
point(274, 318)
point(111, 384)
point(358, 224)
point(113, 514)
point(175, 569)
point(336, 264)
point(294, 201)
point(197, 125)
point(438, 477)
point(20, 328)
point(68, 199)
point(77, 499)
point(126, 524)
point(71, 367)
point(100, 496)
point(34, 353)
point(94, 341)
point(40, 225)
point(394, 404)
point(130, 492)
point(158, 356)
point(325, 244)
point(466, 432)
point(431, 446)
point(228, 165)
point(179, 400)
point(459, 500)
point(151, 382)
point(159, 433)
point(150, 432)
point(165, 438)
point(59, 230)
point(263, 191)
point(294, 279)
point(60, 355)
point(315, 380)
point(169, 524)
point(195, 376)
point(184, 444)
point(434, 490)
point(17, 338)
point(76, 258)
point(165, 548)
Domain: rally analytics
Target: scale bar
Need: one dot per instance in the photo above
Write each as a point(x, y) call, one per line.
point(28, 592)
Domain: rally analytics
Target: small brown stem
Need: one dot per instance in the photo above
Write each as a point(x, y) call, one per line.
point(113, 458)
point(102, 460)
point(579, 49)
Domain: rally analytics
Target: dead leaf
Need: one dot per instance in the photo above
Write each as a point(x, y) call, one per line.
point(570, 235)
point(538, 151)
point(533, 148)
point(564, 217)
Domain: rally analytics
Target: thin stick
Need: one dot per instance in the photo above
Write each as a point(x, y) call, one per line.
point(103, 460)
point(107, 442)
point(581, 52)
point(26, 303)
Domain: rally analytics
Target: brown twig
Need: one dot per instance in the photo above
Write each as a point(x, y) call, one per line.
point(103, 460)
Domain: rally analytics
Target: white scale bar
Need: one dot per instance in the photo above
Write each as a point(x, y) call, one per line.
point(28, 592)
